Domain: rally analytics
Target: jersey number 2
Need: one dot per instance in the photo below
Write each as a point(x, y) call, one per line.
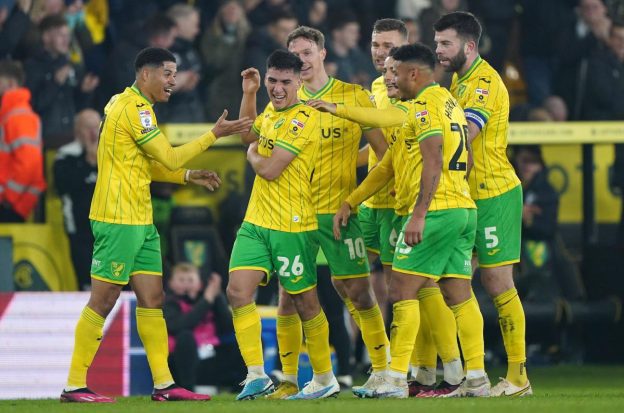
point(455, 165)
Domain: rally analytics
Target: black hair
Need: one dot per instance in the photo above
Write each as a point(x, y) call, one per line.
point(154, 57)
point(281, 14)
point(393, 51)
point(13, 70)
point(342, 18)
point(390, 25)
point(157, 25)
point(284, 60)
point(52, 22)
point(465, 24)
point(416, 52)
point(534, 150)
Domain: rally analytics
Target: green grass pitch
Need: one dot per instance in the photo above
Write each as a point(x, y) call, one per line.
point(567, 389)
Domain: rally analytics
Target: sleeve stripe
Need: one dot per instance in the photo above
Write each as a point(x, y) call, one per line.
point(151, 136)
point(476, 118)
point(255, 129)
point(403, 108)
point(148, 136)
point(428, 134)
point(287, 147)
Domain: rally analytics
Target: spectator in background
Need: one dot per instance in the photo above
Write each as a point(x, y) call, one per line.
point(158, 31)
point(59, 87)
point(261, 12)
point(75, 173)
point(603, 90)
point(589, 33)
point(14, 24)
point(539, 224)
point(411, 9)
point(185, 104)
point(432, 14)
point(557, 108)
point(263, 41)
point(222, 48)
point(413, 31)
point(21, 157)
point(352, 65)
point(497, 17)
point(199, 323)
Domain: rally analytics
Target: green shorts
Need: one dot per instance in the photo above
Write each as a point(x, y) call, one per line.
point(120, 251)
point(446, 248)
point(347, 258)
point(291, 254)
point(379, 235)
point(499, 228)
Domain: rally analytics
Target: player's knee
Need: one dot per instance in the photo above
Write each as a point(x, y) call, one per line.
point(496, 282)
point(238, 295)
point(103, 302)
point(151, 300)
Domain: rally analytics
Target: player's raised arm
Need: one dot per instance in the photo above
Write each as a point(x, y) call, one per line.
point(251, 84)
point(371, 117)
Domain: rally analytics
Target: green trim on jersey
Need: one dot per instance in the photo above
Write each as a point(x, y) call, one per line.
point(472, 68)
point(321, 91)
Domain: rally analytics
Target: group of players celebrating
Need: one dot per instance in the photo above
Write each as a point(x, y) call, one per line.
point(439, 188)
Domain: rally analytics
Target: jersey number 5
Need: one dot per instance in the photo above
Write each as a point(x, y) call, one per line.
point(455, 165)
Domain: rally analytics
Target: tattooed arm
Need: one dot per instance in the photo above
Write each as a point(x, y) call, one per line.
point(431, 151)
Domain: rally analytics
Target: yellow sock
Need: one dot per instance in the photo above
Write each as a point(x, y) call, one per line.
point(403, 331)
point(374, 336)
point(470, 328)
point(513, 327)
point(442, 321)
point(248, 331)
point(353, 312)
point(88, 337)
point(317, 340)
point(289, 338)
point(153, 332)
point(424, 353)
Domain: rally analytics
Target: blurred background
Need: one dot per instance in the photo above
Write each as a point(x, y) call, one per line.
point(562, 62)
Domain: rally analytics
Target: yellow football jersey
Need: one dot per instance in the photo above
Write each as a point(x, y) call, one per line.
point(383, 198)
point(484, 97)
point(335, 170)
point(122, 190)
point(285, 204)
point(436, 112)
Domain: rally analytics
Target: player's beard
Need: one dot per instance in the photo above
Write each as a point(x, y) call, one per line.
point(457, 62)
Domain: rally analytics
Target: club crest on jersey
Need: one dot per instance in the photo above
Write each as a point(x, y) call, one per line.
point(278, 123)
point(146, 118)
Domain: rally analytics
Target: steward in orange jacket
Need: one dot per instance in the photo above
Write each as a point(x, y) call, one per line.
point(21, 153)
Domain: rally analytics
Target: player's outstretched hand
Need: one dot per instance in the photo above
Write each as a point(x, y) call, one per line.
point(341, 219)
point(208, 179)
point(251, 80)
point(322, 106)
point(231, 127)
point(414, 231)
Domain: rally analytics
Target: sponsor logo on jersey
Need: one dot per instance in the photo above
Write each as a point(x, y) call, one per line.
point(297, 123)
point(278, 123)
point(145, 117)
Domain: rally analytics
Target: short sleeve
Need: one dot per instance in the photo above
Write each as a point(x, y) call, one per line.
point(425, 118)
point(257, 125)
point(141, 122)
point(300, 130)
point(482, 100)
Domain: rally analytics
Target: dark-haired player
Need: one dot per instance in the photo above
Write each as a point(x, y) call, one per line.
point(493, 183)
point(438, 230)
point(279, 232)
point(132, 153)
